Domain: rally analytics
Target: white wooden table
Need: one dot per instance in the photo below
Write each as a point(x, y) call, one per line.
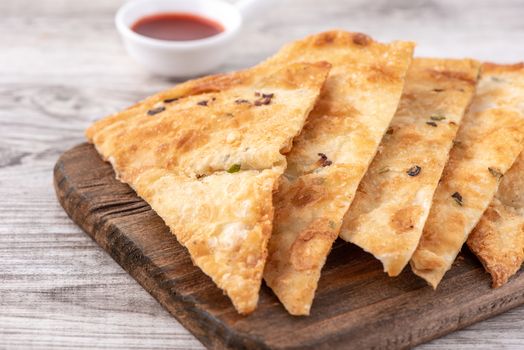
point(62, 66)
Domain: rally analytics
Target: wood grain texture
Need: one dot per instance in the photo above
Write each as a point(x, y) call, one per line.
point(62, 66)
point(354, 298)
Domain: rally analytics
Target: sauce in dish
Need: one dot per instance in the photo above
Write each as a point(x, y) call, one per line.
point(177, 26)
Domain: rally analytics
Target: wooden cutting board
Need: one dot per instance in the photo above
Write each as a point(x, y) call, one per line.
point(356, 306)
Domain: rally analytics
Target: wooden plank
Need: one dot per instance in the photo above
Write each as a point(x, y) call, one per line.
point(357, 305)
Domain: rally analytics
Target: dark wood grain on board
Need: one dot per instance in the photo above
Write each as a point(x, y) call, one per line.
point(356, 306)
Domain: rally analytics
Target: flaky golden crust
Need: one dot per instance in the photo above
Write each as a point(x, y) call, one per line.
point(498, 239)
point(206, 155)
point(331, 154)
point(199, 134)
point(488, 142)
point(392, 202)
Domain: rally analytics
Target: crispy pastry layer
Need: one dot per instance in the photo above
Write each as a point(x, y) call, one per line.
point(488, 142)
point(331, 154)
point(206, 155)
point(392, 202)
point(498, 239)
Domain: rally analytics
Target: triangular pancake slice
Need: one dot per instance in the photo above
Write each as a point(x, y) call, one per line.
point(331, 154)
point(392, 203)
point(498, 239)
point(207, 155)
point(488, 142)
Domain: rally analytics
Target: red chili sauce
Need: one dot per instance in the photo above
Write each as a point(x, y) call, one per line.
point(176, 26)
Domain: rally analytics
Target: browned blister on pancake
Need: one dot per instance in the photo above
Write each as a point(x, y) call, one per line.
point(207, 155)
point(488, 142)
point(392, 202)
point(498, 238)
point(331, 154)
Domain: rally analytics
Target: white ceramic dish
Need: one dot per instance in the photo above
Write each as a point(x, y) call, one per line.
point(182, 58)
